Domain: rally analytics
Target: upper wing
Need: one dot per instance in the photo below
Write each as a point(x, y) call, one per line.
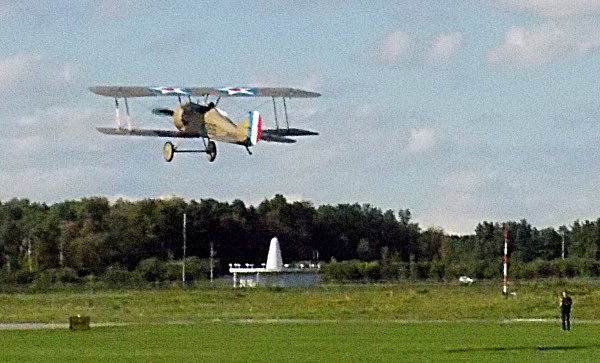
point(146, 132)
point(122, 92)
point(254, 92)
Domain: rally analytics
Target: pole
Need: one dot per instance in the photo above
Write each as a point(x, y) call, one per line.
point(212, 264)
point(61, 254)
point(505, 264)
point(184, 247)
point(29, 254)
point(61, 243)
point(562, 247)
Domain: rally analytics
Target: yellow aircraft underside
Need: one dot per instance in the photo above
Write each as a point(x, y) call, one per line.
point(217, 127)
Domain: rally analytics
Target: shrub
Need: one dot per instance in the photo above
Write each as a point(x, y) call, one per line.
point(58, 275)
point(371, 271)
point(437, 270)
point(567, 267)
point(22, 277)
point(117, 275)
point(588, 267)
point(421, 270)
point(344, 271)
point(393, 271)
point(454, 270)
point(151, 270)
point(195, 269)
point(198, 269)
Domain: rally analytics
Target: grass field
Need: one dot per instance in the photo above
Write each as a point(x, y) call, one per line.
point(308, 342)
point(403, 322)
point(416, 301)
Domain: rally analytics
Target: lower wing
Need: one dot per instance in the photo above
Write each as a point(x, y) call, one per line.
point(147, 132)
point(275, 135)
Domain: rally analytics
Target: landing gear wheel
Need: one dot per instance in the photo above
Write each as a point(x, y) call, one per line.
point(211, 151)
point(168, 151)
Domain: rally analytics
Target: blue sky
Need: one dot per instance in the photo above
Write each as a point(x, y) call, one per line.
point(461, 111)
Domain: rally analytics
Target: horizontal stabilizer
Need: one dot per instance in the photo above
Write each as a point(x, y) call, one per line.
point(146, 132)
point(290, 132)
point(268, 137)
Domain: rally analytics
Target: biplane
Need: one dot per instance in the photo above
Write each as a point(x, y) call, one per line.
point(203, 119)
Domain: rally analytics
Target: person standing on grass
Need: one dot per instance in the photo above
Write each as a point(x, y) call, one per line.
point(565, 310)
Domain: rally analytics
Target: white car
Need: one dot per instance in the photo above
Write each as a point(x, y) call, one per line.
point(465, 280)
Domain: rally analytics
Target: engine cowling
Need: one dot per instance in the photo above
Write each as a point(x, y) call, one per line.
point(190, 115)
point(178, 118)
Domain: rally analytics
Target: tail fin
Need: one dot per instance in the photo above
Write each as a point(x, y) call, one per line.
point(254, 127)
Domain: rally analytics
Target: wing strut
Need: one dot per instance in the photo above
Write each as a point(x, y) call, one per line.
point(287, 122)
point(117, 115)
point(128, 117)
point(275, 112)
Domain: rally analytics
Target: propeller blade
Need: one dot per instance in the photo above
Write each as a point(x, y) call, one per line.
point(162, 112)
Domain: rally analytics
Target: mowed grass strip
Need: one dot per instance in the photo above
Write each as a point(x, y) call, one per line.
point(408, 301)
point(307, 342)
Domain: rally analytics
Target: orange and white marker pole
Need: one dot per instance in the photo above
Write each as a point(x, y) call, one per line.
point(505, 264)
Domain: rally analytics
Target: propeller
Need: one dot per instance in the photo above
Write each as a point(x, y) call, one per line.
point(163, 112)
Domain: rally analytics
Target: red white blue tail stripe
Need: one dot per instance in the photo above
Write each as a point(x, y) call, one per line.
point(255, 127)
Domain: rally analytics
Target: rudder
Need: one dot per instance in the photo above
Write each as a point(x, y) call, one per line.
point(254, 127)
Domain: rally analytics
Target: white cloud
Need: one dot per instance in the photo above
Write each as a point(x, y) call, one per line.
point(14, 69)
point(462, 201)
point(395, 46)
point(47, 135)
point(55, 153)
point(465, 198)
point(523, 47)
point(568, 28)
point(309, 82)
point(399, 46)
point(557, 8)
point(445, 46)
point(421, 140)
point(51, 184)
point(28, 73)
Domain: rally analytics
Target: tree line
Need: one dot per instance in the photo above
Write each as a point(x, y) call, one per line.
point(94, 238)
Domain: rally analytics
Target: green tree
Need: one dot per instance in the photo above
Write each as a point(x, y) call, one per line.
point(584, 240)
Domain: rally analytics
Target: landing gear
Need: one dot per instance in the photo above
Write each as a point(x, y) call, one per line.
point(211, 151)
point(168, 151)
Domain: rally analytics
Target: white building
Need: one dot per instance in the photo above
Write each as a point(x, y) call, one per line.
point(274, 272)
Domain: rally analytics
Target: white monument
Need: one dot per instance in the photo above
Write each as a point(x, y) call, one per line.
point(274, 272)
point(274, 260)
